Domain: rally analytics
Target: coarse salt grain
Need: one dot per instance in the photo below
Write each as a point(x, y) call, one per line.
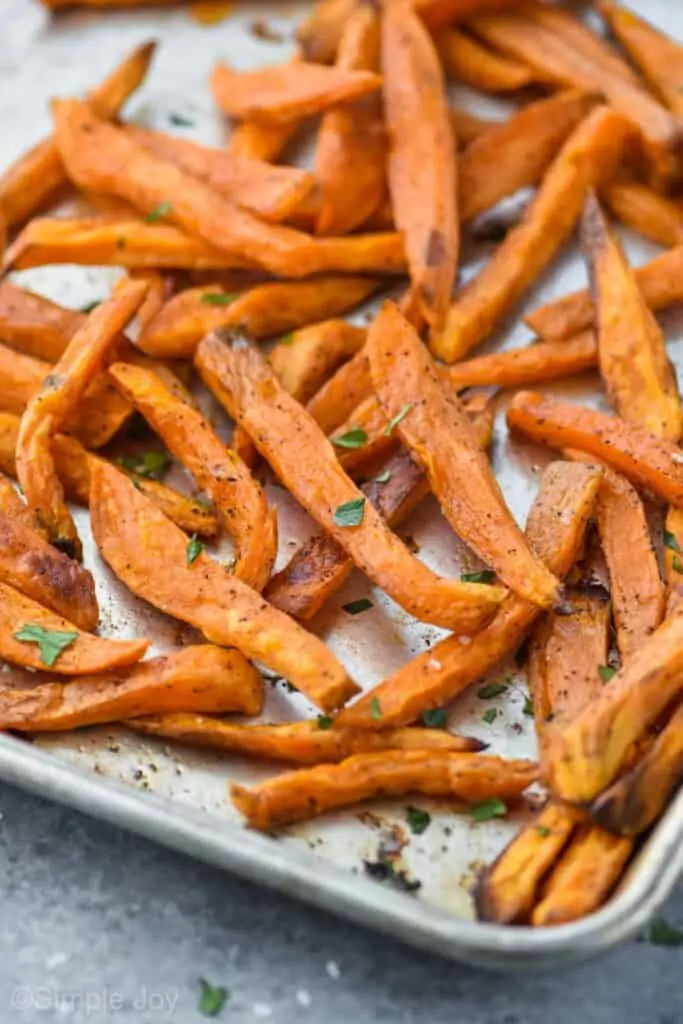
point(465, 640)
point(303, 998)
point(332, 968)
point(434, 664)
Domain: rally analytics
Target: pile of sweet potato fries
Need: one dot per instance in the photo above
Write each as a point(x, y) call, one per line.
point(223, 248)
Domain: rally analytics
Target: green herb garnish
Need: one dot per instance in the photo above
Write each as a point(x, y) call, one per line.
point(356, 607)
point(162, 210)
point(671, 542)
point(89, 306)
point(324, 722)
point(393, 423)
point(212, 998)
point(355, 438)
point(528, 708)
point(350, 513)
point(543, 831)
point(660, 933)
point(676, 564)
point(606, 672)
point(484, 576)
point(417, 819)
point(490, 715)
point(219, 298)
point(180, 121)
point(151, 465)
point(491, 690)
point(51, 642)
point(375, 709)
point(487, 809)
point(194, 549)
point(435, 718)
point(383, 478)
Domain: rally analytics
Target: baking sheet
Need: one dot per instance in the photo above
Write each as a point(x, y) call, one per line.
point(178, 795)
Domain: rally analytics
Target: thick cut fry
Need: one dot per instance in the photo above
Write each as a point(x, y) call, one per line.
point(422, 160)
point(33, 179)
point(304, 361)
point(350, 157)
point(261, 140)
point(561, 63)
point(516, 153)
point(516, 367)
point(35, 325)
point(658, 57)
point(467, 127)
point(507, 890)
point(588, 753)
point(587, 159)
point(200, 679)
point(660, 283)
point(85, 653)
point(320, 33)
point(647, 461)
point(435, 13)
point(274, 193)
point(555, 529)
point(149, 554)
point(264, 310)
point(34, 567)
point(309, 792)
point(283, 92)
point(466, 60)
point(643, 210)
point(293, 444)
point(334, 402)
point(216, 469)
point(584, 877)
point(297, 742)
point(48, 410)
point(434, 427)
point(634, 364)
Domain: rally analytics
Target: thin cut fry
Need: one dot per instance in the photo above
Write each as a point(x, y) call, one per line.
point(587, 159)
point(85, 653)
point(149, 554)
point(527, 365)
point(262, 311)
point(432, 424)
point(35, 325)
point(320, 33)
point(422, 159)
point(216, 469)
point(261, 140)
point(466, 60)
point(306, 359)
point(647, 461)
point(33, 179)
point(284, 92)
point(555, 529)
point(309, 792)
point(297, 742)
point(660, 282)
point(335, 401)
point(443, 12)
point(289, 440)
point(643, 210)
point(48, 410)
point(658, 57)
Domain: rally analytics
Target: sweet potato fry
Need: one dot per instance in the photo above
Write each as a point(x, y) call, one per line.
point(561, 63)
point(264, 310)
point(660, 282)
point(309, 792)
point(47, 411)
point(555, 529)
point(422, 160)
point(53, 642)
point(320, 33)
point(465, 60)
point(588, 753)
point(673, 562)
point(149, 554)
point(583, 878)
point(288, 439)
point(297, 742)
point(261, 140)
point(274, 193)
point(435, 13)
point(216, 469)
point(35, 325)
point(283, 92)
point(643, 210)
point(36, 569)
point(32, 180)
point(658, 57)
point(545, 360)
point(516, 153)
point(350, 159)
point(306, 359)
point(200, 679)
point(336, 400)
point(432, 424)
point(587, 159)
point(647, 461)
point(468, 127)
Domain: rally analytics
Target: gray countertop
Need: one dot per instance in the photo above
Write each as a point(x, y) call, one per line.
point(101, 926)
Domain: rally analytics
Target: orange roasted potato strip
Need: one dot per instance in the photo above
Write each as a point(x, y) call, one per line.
point(32, 180)
point(647, 461)
point(267, 309)
point(297, 742)
point(660, 282)
point(34, 567)
point(516, 153)
point(299, 453)
point(308, 792)
point(588, 157)
point(216, 469)
point(673, 557)
point(200, 678)
point(320, 33)
point(443, 12)
point(85, 653)
point(655, 54)
point(643, 210)
point(350, 158)
point(467, 127)
point(284, 92)
point(544, 360)
point(47, 411)
point(465, 60)
point(149, 554)
point(307, 358)
point(334, 402)
point(421, 166)
point(274, 193)
point(35, 325)
point(555, 529)
point(434, 427)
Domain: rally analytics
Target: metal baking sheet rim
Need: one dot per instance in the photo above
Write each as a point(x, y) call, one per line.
point(263, 860)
